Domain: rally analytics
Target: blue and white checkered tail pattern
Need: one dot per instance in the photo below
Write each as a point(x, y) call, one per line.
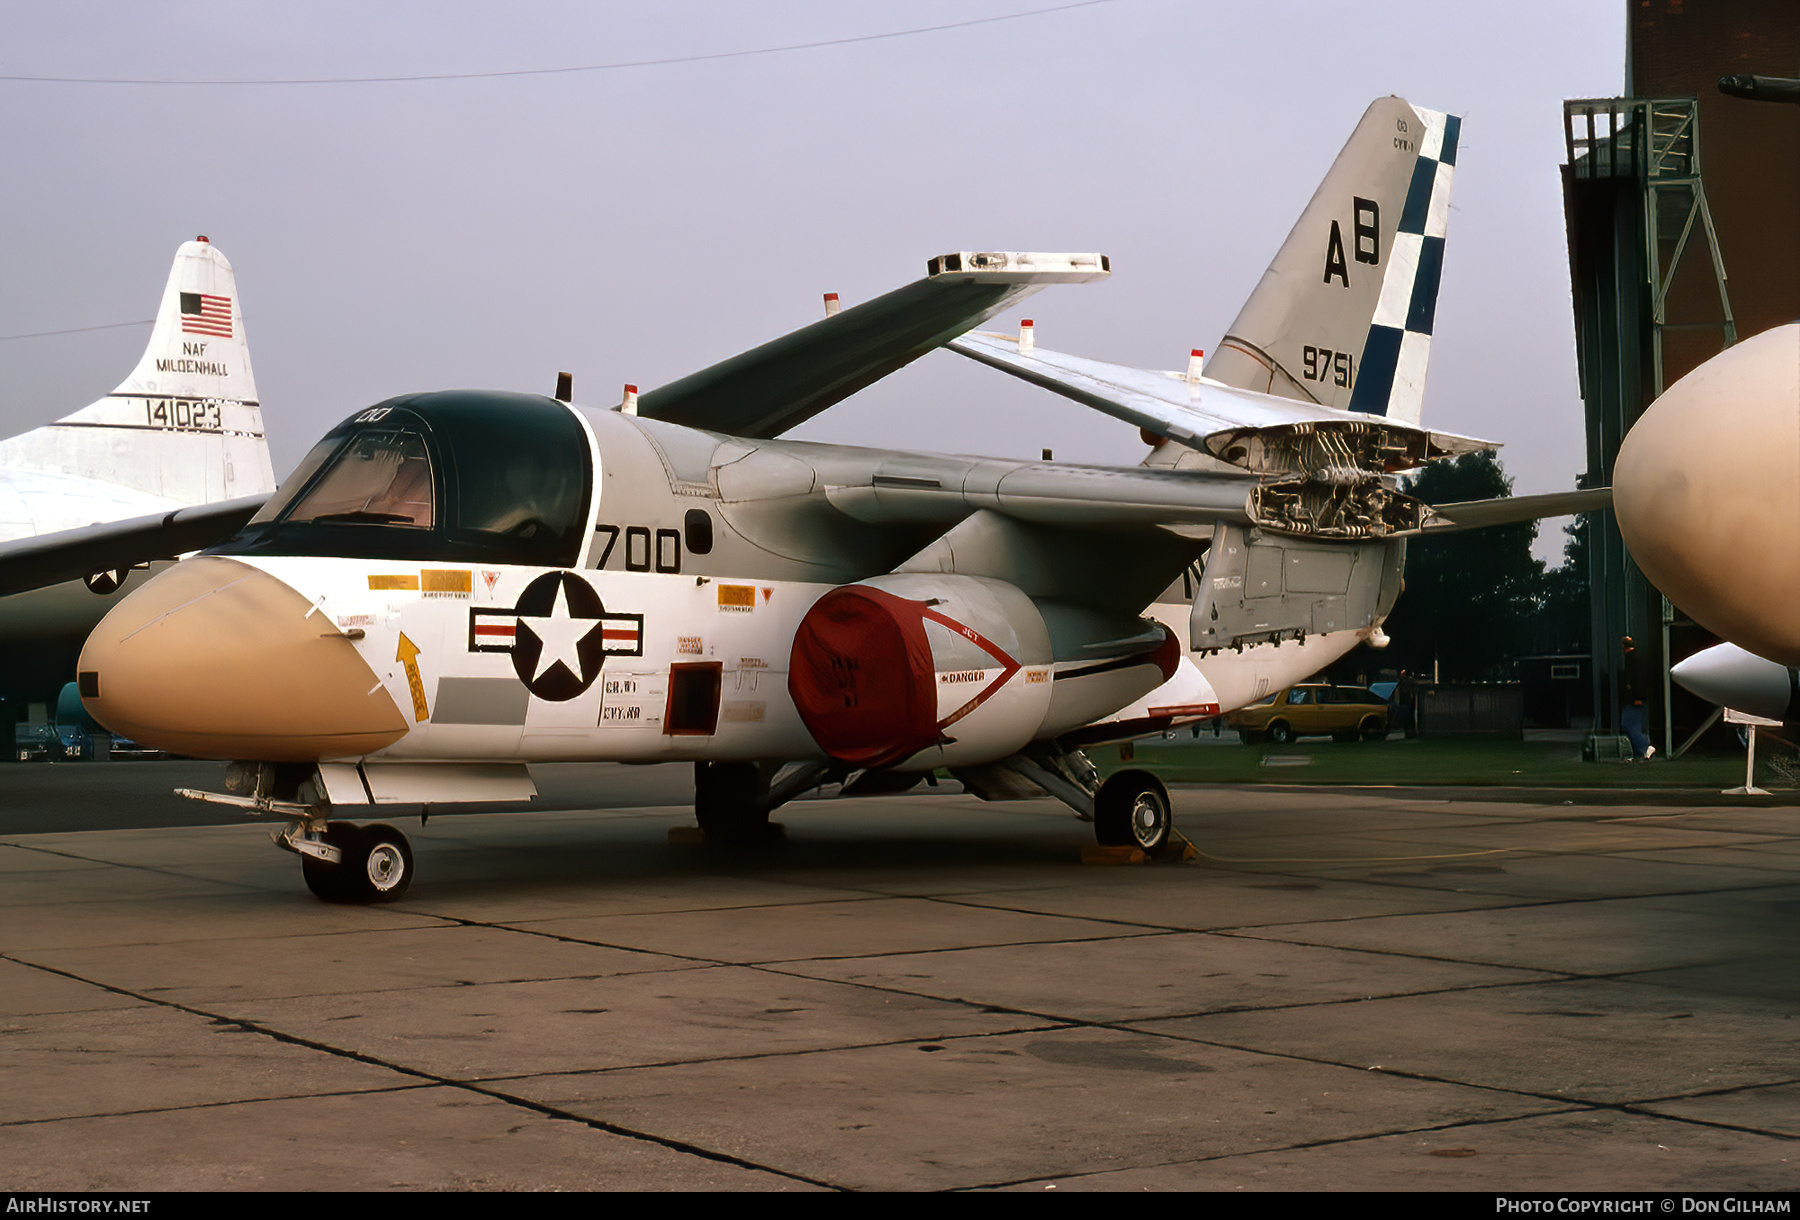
point(1392, 377)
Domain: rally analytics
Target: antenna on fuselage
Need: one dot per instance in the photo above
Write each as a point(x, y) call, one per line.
point(565, 387)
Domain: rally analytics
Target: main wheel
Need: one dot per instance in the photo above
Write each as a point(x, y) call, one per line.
point(1132, 810)
point(729, 801)
point(1281, 733)
point(1374, 728)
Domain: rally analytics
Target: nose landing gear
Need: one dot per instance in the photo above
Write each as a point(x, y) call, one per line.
point(350, 863)
point(341, 861)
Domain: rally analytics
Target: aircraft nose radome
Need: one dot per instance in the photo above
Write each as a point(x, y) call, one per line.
point(218, 659)
point(1707, 492)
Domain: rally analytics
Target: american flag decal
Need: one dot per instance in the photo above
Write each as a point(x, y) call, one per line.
point(205, 314)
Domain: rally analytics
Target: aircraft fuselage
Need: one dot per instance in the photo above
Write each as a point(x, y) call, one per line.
point(499, 578)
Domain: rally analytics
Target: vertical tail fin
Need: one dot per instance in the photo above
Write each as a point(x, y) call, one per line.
point(1343, 316)
point(186, 425)
point(197, 349)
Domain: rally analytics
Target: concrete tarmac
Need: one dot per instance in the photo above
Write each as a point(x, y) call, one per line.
point(1349, 991)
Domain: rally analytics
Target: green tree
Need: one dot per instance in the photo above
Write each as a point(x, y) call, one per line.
point(1563, 624)
point(1471, 596)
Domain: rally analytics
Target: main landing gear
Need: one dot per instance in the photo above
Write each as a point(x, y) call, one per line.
point(1131, 809)
point(733, 800)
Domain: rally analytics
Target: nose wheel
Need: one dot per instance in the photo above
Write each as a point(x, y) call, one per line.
point(375, 864)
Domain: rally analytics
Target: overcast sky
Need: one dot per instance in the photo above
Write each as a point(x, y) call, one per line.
point(639, 223)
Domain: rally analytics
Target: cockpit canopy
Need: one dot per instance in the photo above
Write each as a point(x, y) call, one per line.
point(461, 476)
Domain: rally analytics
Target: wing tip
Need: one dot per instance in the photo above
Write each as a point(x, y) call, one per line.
point(1019, 267)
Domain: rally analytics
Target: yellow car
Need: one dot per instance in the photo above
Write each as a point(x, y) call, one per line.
point(1347, 713)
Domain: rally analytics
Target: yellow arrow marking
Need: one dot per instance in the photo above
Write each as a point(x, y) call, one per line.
point(408, 655)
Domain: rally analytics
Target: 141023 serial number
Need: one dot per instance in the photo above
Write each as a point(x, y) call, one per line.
point(194, 415)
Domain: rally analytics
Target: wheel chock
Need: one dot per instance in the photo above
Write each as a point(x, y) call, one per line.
point(1093, 853)
point(1177, 851)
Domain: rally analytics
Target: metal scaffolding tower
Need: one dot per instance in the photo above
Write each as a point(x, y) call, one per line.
point(1633, 199)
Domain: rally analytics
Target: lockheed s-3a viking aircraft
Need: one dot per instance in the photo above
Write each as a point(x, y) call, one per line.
point(453, 585)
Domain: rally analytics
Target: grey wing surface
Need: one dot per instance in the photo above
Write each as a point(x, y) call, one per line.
point(1507, 510)
point(769, 389)
point(50, 559)
point(1203, 415)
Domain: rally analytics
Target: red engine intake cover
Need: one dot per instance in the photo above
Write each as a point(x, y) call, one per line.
point(862, 677)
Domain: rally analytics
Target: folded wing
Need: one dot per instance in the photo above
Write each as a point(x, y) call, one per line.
point(1201, 414)
point(769, 389)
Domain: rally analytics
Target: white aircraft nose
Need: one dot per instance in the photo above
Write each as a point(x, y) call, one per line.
point(1727, 675)
point(218, 659)
point(1707, 492)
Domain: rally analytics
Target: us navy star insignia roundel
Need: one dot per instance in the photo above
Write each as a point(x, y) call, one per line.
point(107, 581)
point(558, 649)
point(563, 636)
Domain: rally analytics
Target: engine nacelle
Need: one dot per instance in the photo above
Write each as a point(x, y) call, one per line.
point(917, 670)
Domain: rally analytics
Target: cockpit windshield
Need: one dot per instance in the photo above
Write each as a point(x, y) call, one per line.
point(459, 476)
point(379, 477)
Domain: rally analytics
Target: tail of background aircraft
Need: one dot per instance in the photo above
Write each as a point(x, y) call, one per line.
point(1343, 316)
point(186, 425)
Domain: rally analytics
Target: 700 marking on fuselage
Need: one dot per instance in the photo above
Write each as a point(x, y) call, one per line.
point(645, 550)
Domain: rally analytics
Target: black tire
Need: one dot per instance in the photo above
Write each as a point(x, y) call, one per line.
point(1374, 728)
point(1281, 733)
point(377, 865)
point(730, 801)
point(326, 880)
point(1132, 810)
